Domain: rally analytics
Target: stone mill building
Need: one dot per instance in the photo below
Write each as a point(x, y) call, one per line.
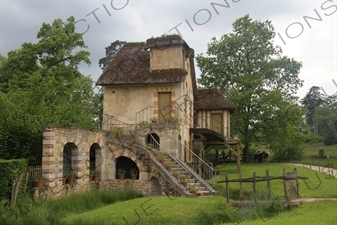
point(151, 104)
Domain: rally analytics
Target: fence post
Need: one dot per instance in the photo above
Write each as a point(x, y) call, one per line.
point(254, 187)
point(285, 186)
point(227, 187)
point(241, 192)
point(296, 183)
point(268, 184)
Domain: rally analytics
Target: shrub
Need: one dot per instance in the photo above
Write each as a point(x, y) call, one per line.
point(312, 139)
point(69, 174)
point(321, 153)
point(292, 153)
point(10, 170)
point(94, 172)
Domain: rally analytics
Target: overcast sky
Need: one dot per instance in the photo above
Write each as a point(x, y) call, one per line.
point(311, 41)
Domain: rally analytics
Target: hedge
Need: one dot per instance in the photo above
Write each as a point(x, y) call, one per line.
point(9, 171)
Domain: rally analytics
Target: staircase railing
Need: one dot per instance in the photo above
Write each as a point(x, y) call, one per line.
point(111, 124)
point(167, 173)
point(197, 177)
point(204, 169)
point(162, 114)
point(186, 168)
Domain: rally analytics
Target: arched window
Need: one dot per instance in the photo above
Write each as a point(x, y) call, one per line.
point(180, 149)
point(67, 157)
point(127, 164)
point(154, 140)
point(94, 157)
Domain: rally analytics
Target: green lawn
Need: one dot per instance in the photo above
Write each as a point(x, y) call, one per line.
point(318, 184)
point(124, 208)
point(318, 213)
point(200, 211)
point(156, 210)
point(189, 211)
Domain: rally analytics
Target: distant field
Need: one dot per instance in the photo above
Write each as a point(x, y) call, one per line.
point(312, 149)
point(312, 157)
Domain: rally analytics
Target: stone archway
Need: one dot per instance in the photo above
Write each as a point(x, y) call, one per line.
point(127, 164)
point(155, 187)
point(68, 157)
point(95, 157)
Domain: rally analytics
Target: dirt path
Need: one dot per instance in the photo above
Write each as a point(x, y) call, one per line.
point(329, 171)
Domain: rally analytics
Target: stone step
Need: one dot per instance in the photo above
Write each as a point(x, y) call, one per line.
point(201, 189)
point(203, 193)
point(198, 187)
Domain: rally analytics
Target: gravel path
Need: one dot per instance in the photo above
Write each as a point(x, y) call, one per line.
point(326, 170)
point(329, 171)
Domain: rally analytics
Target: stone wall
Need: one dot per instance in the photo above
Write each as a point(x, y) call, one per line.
point(109, 149)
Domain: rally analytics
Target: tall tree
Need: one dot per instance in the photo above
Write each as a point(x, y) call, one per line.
point(40, 85)
point(312, 100)
point(250, 71)
point(110, 52)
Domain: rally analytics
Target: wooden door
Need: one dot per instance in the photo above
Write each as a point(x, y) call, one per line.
point(164, 106)
point(216, 123)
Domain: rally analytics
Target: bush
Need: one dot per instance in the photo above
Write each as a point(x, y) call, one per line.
point(312, 139)
point(321, 153)
point(10, 170)
point(293, 153)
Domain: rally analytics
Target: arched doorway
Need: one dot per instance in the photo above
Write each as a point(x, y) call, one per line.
point(68, 152)
point(153, 139)
point(155, 188)
point(126, 164)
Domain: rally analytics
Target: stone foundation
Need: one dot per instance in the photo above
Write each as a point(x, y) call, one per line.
point(141, 186)
point(108, 149)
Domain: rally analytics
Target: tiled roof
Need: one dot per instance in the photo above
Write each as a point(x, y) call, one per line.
point(212, 99)
point(132, 66)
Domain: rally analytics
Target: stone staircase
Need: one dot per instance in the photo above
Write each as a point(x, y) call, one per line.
point(192, 179)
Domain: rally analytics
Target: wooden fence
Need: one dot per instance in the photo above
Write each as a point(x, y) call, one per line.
point(24, 181)
point(290, 186)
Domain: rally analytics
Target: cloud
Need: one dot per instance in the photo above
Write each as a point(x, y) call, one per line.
point(316, 47)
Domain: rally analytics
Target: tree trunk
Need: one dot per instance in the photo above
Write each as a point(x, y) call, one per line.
point(245, 154)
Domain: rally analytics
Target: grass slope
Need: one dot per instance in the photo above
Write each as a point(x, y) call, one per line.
point(200, 211)
point(157, 210)
point(318, 185)
point(166, 210)
point(312, 157)
point(318, 213)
